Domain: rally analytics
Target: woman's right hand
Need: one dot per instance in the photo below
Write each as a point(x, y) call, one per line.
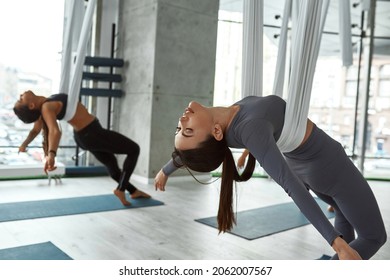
point(241, 161)
point(22, 149)
point(160, 180)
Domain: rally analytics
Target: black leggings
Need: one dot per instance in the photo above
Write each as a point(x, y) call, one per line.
point(104, 144)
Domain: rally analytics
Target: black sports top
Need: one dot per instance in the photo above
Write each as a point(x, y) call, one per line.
point(62, 97)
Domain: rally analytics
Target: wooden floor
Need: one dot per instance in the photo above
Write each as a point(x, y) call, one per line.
point(166, 232)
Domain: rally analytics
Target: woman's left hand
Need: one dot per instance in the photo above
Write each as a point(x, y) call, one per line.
point(49, 163)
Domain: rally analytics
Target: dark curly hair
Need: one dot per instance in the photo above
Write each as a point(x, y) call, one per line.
point(29, 116)
point(26, 115)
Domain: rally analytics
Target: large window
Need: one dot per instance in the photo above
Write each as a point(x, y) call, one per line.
point(336, 89)
point(30, 59)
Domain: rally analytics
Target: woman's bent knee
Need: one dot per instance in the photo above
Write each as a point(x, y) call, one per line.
point(383, 238)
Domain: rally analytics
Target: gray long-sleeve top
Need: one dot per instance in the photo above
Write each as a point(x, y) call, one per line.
point(257, 127)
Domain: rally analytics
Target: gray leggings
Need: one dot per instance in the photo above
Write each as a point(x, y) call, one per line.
point(322, 164)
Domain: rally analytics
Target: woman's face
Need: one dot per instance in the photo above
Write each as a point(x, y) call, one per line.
point(25, 99)
point(194, 126)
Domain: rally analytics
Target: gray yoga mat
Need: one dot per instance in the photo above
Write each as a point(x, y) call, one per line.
point(68, 206)
point(40, 251)
point(260, 222)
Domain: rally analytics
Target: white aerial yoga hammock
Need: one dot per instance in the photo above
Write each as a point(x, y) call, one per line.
point(308, 23)
point(345, 32)
point(252, 48)
point(282, 48)
point(305, 48)
point(74, 13)
point(72, 74)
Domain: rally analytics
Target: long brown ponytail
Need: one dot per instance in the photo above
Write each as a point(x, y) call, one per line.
point(225, 217)
point(209, 156)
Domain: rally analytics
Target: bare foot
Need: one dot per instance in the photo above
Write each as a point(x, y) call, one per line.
point(122, 197)
point(139, 194)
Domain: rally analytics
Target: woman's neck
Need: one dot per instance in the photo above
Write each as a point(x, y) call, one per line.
point(39, 101)
point(225, 115)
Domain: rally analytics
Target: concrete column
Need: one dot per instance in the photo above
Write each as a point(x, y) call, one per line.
point(169, 47)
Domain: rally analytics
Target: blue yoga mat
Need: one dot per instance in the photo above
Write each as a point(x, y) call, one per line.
point(260, 222)
point(324, 258)
point(68, 206)
point(40, 251)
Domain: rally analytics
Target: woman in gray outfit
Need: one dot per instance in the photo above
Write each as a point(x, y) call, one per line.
point(320, 164)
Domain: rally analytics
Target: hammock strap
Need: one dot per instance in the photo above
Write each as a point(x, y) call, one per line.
point(305, 49)
point(76, 71)
point(252, 49)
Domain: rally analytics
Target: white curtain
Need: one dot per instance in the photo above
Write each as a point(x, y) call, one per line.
point(282, 51)
point(366, 4)
point(306, 38)
point(72, 68)
point(73, 19)
point(252, 49)
point(345, 32)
